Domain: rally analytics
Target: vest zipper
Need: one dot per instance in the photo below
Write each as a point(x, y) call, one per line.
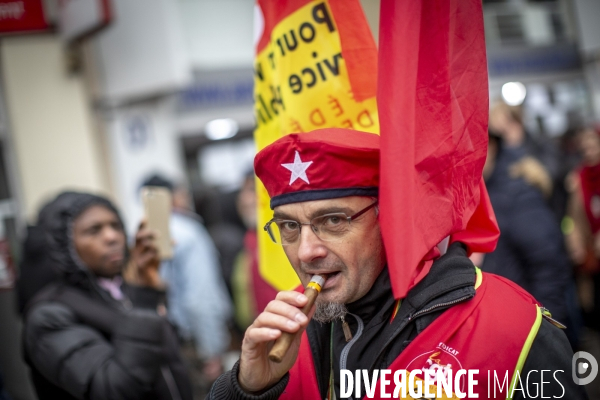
point(435, 307)
point(548, 316)
point(410, 318)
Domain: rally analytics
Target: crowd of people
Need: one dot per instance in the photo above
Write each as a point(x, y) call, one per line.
point(105, 317)
point(547, 206)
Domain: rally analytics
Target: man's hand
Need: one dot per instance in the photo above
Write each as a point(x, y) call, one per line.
point(145, 261)
point(256, 371)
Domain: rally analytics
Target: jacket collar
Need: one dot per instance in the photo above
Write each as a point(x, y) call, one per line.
point(451, 278)
point(370, 304)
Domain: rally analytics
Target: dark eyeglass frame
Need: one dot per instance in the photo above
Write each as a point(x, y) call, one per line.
point(315, 229)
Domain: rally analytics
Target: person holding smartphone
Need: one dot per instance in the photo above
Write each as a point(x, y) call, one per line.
point(96, 332)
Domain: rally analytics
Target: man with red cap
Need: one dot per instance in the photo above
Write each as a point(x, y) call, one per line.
point(324, 190)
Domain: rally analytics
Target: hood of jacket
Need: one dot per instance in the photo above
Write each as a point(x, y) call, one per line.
point(55, 220)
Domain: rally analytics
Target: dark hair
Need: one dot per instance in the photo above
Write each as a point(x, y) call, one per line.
point(160, 181)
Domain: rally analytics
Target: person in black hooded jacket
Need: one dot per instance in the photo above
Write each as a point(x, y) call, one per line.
point(35, 267)
point(530, 250)
point(89, 335)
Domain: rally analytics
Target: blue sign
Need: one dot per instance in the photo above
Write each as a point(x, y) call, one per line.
point(533, 60)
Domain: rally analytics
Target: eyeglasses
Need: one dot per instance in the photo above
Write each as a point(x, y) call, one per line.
point(328, 227)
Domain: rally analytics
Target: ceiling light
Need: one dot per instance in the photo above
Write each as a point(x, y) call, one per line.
point(219, 129)
point(513, 93)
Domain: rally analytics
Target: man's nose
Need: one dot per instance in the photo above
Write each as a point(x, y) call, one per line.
point(310, 246)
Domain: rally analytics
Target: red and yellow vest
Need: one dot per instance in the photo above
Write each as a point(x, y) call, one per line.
point(492, 332)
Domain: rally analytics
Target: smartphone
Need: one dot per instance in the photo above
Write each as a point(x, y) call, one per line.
point(157, 208)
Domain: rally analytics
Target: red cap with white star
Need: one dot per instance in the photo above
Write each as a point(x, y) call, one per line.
point(322, 164)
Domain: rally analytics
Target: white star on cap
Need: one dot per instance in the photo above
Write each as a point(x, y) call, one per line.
point(298, 169)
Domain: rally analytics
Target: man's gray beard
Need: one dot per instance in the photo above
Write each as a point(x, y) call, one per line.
point(327, 312)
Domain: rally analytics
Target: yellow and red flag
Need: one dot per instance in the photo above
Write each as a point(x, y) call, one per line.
point(433, 108)
point(315, 67)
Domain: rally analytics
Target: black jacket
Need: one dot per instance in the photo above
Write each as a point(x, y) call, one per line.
point(530, 251)
point(82, 344)
point(451, 280)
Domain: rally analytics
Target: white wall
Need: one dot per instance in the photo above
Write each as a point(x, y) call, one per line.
point(218, 34)
point(141, 142)
point(371, 10)
point(142, 53)
point(49, 122)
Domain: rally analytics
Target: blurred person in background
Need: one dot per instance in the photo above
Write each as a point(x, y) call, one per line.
point(3, 394)
point(530, 251)
point(96, 332)
point(227, 230)
point(507, 122)
point(251, 292)
point(198, 303)
point(582, 226)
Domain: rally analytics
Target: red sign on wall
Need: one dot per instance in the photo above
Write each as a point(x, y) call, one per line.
point(22, 16)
